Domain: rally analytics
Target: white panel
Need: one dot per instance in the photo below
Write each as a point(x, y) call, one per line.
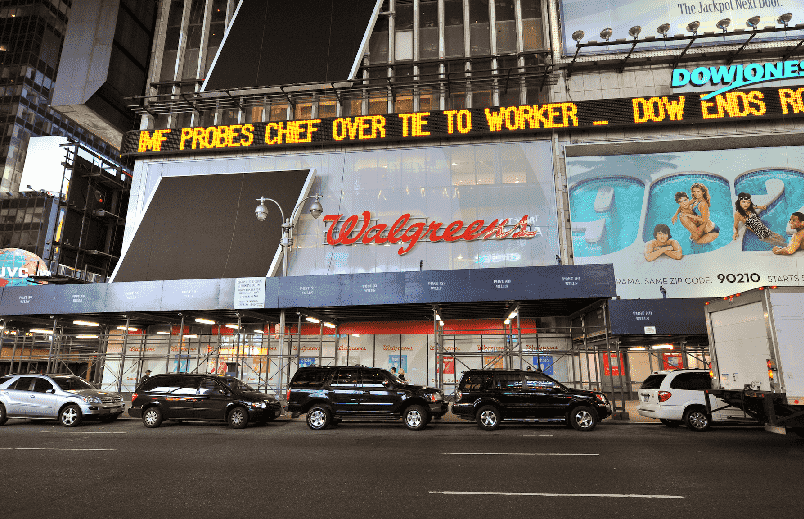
point(741, 346)
point(789, 325)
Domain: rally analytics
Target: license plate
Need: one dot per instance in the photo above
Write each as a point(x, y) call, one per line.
point(645, 398)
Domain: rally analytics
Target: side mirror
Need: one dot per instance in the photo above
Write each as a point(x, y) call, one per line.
point(50, 391)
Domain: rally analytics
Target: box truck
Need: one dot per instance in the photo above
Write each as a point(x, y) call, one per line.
point(755, 343)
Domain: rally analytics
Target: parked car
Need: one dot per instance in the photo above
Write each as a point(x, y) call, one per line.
point(492, 396)
point(678, 397)
point(68, 398)
point(329, 394)
point(183, 396)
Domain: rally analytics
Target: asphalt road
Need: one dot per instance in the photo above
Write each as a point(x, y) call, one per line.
point(361, 470)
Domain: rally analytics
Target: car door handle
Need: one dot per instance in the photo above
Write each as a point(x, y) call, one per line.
point(33, 396)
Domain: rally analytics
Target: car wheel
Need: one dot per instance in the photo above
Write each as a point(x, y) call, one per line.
point(111, 418)
point(319, 417)
point(415, 418)
point(152, 417)
point(238, 418)
point(488, 418)
point(3, 416)
point(670, 423)
point(696, 419)
point(70, 416)
point(583, 418)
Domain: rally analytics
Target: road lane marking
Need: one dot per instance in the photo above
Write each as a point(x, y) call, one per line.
point(551, 494)
point(545, 435)
point(87, 432)
point(48, 449)
point(516, 454)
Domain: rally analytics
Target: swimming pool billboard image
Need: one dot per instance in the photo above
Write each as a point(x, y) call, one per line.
point(666, 221)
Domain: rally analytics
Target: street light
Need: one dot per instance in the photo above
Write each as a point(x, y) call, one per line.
point(261, 212)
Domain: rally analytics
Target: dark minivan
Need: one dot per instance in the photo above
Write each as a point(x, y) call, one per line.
point(490, 396)
point(328, 394)
point(183, 396)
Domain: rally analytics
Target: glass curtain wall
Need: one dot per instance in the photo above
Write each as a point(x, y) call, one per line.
point(422, 55)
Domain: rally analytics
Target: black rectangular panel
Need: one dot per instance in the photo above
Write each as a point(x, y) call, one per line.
point(190, 294)
point(436, 286)
point(311, 291)
point(29, 300)
point(136, 296)
point(384, 288)
point(667, 316)
point(203, 227)
point(79, 299)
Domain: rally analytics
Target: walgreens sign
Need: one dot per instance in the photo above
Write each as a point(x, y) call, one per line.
point(411, 233)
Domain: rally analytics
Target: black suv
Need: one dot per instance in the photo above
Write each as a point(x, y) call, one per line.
point(328, 394)
point(489, 397)
point(182, 396)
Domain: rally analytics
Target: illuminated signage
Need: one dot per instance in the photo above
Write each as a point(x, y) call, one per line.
point(736, 76)
point(411, 234)
point(499, 121)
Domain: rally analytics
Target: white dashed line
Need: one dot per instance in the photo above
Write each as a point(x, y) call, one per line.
point(542, 435)
point(550, 494)
point(87, 432)
point(49, 449)
point(516, 454)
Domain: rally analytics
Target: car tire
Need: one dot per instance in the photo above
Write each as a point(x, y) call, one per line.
point(670, 423)
point(152, 417)
point(70, 416)
point(238, 418)
point(319, 417)
point(415, 418)
point(696, 419)
point(582, 418)
point(488, 417)
point(3, 415)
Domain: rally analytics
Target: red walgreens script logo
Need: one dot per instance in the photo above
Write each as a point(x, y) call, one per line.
point(413, 233)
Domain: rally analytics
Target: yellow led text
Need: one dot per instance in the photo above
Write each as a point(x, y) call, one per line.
point(791, 99)
point(734, 104)
point(217, 136)
point(364, 127)
point(412, 124)
point(291, 132)
point(553, 115)
point(148, 143)
point(463, 118)
point(657, 109)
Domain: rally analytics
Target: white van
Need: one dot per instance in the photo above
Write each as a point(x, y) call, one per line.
point(676, 397)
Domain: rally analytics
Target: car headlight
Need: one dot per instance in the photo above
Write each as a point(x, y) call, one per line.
point(601, 397)
point(434, 397)
point(258, 405)
point(91, 399)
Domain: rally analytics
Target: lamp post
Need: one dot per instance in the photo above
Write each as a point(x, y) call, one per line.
point(261, 212)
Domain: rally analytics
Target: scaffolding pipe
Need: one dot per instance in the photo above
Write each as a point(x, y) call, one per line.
point(123, 356)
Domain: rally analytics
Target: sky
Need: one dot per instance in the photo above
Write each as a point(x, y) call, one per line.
point(43, 169)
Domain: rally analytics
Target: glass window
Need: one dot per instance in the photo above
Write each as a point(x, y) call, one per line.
point(310, 378)
point(453, 28)
point(327, 107)
point(539, 381)
point(279, 112)
point(42, 386)
point(479, 27)
point(532, 25)
point(652, 382)
point(73, 383)
point(374, 378)
point(378, 44)
point(23, 383)
point(505, 26)
point(473, 381)
point(428, 29)
point(347, 377)
point(507, 380)
point(209, 386)
point(692, 381)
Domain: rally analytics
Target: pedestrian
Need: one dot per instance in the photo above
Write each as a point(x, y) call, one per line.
point(393, 370)
point(401, 374)
point(146, 376)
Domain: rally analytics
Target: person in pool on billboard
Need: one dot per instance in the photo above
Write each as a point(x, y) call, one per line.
point(797, 223)
point(662, 244)
point(748, 214)
point(702, 229)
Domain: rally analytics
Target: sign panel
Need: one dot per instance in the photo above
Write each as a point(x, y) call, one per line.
point(621, 15)
point(249, 293)
point(190, 294)
point(436, 286)
point(761, 103)
point(669, 223)
point(657, 316)
point(81, 298)
point(310, 291)
point(142, 295)
point(28, 300)
point(386, 288)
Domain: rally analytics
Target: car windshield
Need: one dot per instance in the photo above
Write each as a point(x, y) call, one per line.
point(394, 378)
point(73, 383)
point(237, 385)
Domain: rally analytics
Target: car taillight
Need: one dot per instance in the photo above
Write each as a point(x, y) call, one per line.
point(133, 397)
point(459, 395)
point(664, 395)
point(287, 396)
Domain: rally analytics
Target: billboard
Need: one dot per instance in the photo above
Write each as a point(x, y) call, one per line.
point(621, 15)
point(666, 222)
